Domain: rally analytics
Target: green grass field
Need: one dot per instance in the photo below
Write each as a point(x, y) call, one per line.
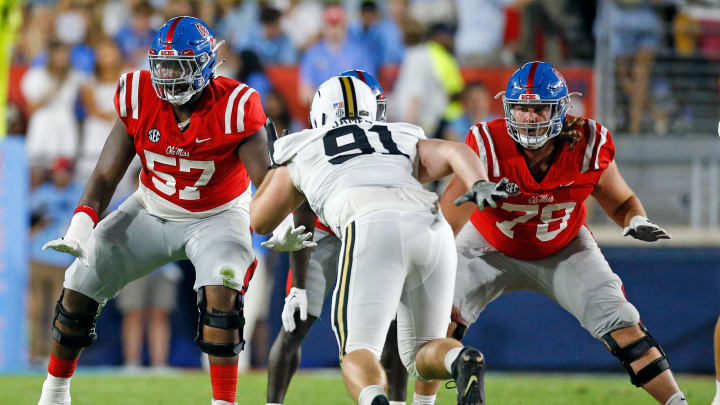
point(320, 388)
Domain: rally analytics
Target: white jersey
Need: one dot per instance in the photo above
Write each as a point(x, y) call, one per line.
point(349, 169)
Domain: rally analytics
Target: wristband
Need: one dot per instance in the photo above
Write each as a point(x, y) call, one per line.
point(89, 211)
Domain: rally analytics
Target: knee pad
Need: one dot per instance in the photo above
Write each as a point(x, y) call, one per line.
point(221, 320)
point(634, 351)
point(80, 322)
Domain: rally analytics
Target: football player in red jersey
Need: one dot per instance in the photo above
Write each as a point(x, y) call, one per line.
point(537, 239)
point(201, 141)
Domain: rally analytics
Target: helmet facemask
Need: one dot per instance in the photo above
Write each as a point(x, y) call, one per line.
point(381, 108)
point(533, 135)
point(176, 78)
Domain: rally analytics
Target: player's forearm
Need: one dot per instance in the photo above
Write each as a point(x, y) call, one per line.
point(626, 210)
point(466, 165)
point(300, 260)
point(456, 216)
point(98, 193)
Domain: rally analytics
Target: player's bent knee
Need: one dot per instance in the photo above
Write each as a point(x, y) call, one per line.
point(600, 322)
point(78, 329)
point(634, 351)
point(227, 320)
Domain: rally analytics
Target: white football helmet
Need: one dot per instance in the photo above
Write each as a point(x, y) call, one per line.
point(342, 97)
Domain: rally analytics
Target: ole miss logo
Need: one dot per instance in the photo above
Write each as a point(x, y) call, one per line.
point(154, 135)
point(202, 30)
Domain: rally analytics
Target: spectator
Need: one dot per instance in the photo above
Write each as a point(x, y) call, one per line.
point(277, 110)
point(136, 36)
point(272, 44)
point(430, 12)
point(146, 305)
point(239, 22)
point(366, 32)
point(482, 19)
point(334, 53)
point(634, 31)
point(300, 22)
point(97, 96)
point(51, 92)
point(391, 32)
point(72, 25)
point(429, 80)
point(51, 211)
point(251, 72)
point(543, 30)
point(475, 102)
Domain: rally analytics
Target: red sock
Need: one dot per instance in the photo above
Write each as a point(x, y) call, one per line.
point(61, 368)
point(223, 378)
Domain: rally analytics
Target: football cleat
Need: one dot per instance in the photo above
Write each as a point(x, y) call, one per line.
point(468, 371)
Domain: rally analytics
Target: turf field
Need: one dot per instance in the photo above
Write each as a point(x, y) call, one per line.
point(320, 388)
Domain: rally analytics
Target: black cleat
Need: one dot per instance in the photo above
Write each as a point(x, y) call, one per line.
point(380, 400)
point(468, 371)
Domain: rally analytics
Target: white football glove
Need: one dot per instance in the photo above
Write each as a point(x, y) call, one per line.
point(287, 238)
point(75, 238)
point(642, 229)
point(295, 301)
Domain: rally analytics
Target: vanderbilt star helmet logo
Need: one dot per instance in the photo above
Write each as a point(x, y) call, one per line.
point(154, 135)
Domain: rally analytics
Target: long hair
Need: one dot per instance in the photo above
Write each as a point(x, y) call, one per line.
point(571, 132)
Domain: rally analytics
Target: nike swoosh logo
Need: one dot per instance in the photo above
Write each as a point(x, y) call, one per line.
point(470, 382)
point(198, 140)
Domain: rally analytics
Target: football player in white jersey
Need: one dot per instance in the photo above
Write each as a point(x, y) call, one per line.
point(363, 179)
point(315, 275)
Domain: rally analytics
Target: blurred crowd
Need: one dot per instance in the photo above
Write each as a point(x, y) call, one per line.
point(69, 54)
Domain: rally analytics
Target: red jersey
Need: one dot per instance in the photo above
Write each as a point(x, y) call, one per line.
point(196, 169)
point(544, 216)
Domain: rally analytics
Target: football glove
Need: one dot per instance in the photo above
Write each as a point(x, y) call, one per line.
point(485, 193)
point(295, 301)
point(75, 238)
point(287, 238)
point(642, 229)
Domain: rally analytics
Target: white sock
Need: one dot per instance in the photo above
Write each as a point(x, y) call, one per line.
point(717, 388)
point(397, 403)
point(677, 398)
point(219, 402)
point(450, 356)
point(55, 391)
point(369, 393)
point(423, 399)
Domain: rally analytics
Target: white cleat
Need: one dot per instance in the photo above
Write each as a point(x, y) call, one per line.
point(218, 402)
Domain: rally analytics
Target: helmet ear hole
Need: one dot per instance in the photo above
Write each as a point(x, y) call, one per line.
point(323, 119)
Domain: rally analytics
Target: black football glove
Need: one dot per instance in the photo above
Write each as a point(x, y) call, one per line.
point(485, 193)
point(642, 229)
point(271, 138)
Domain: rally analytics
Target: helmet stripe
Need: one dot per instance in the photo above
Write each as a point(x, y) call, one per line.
point(348, 91)
point(531, 78)
point(361, 75)
point(171, 31)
